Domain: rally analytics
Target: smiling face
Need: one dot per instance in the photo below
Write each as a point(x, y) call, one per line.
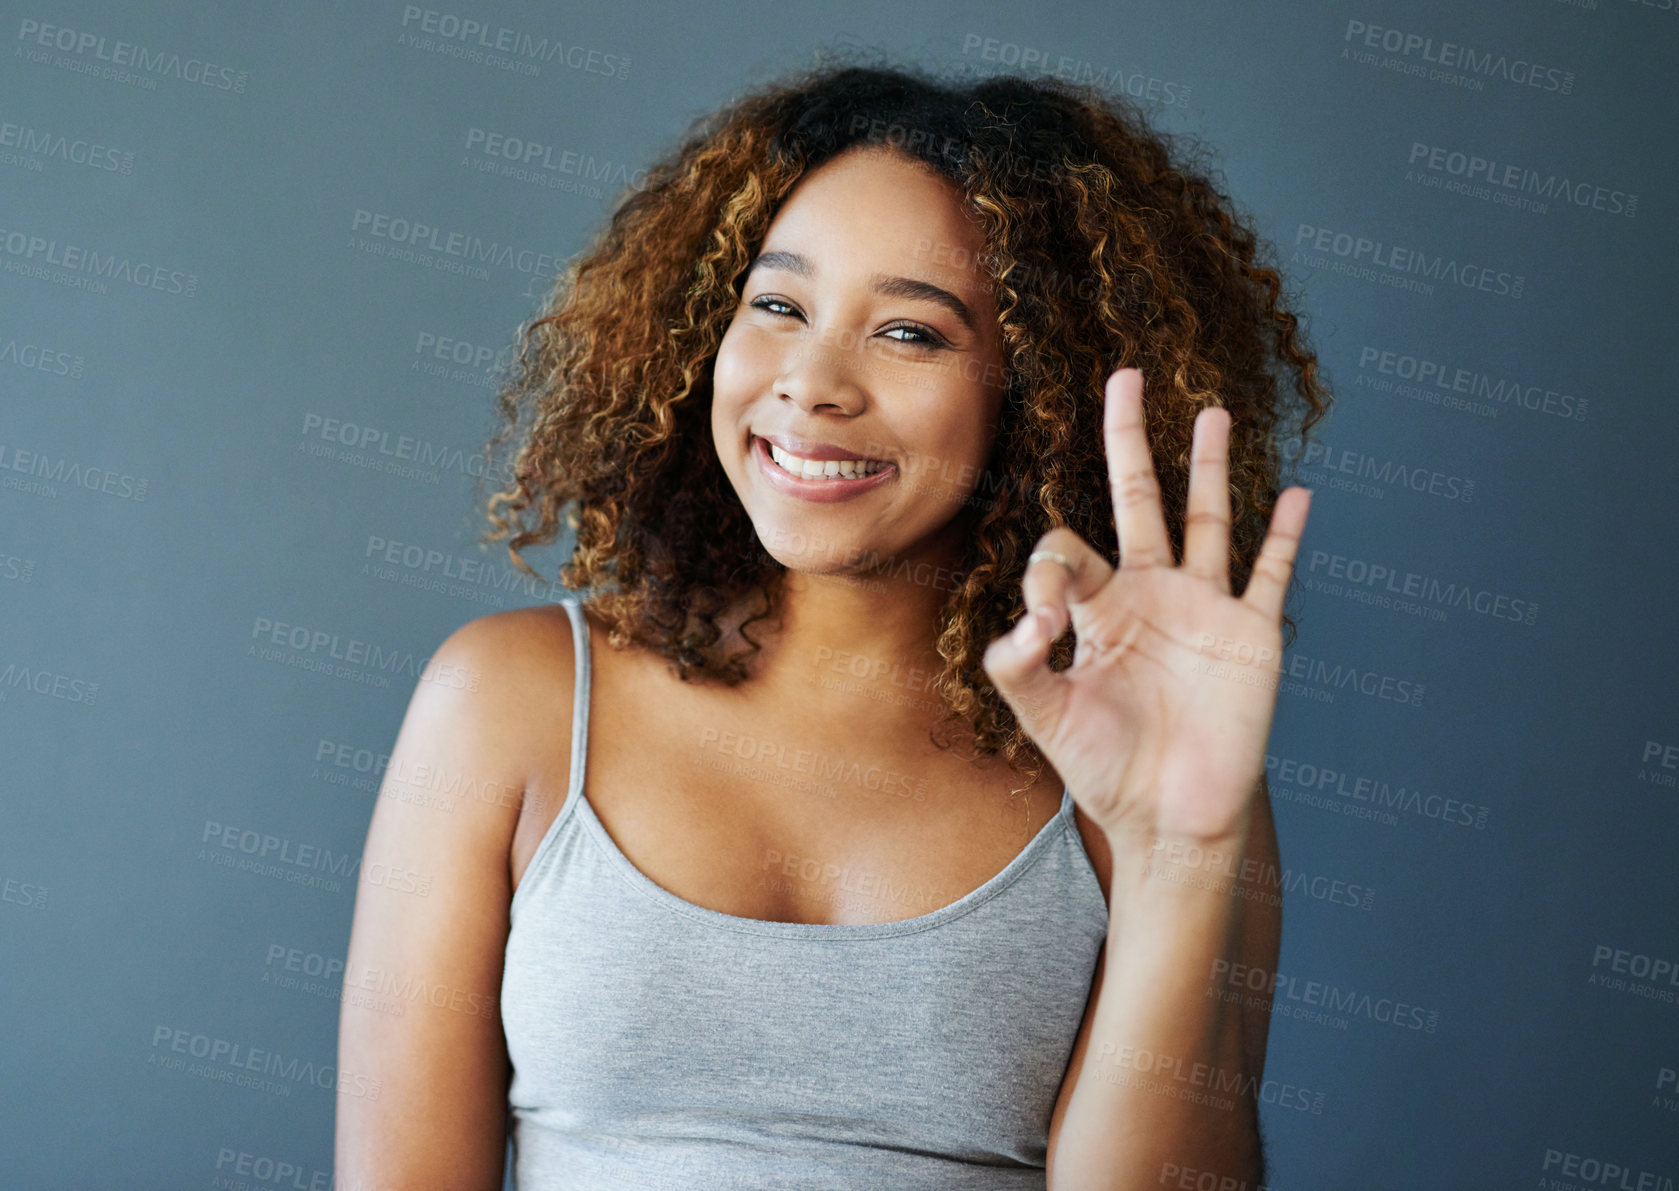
point(866, 347)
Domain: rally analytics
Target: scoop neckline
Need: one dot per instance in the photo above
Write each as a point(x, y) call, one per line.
point(827, 931)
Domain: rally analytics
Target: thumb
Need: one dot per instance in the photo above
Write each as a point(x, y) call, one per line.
point(1018, 665)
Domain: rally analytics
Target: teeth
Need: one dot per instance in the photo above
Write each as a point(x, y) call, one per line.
point(813, 469)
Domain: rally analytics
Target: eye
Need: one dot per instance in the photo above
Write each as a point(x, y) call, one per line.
point(765, 302)
point(929, 338)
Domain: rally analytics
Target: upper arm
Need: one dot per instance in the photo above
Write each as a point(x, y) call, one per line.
point(420, 1035)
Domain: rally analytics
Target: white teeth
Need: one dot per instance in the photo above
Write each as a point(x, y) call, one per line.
point(814, 469)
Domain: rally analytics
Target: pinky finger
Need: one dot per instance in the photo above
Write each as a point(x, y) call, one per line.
point(1268, 583)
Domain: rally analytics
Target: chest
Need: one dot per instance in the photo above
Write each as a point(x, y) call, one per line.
point(727, 806)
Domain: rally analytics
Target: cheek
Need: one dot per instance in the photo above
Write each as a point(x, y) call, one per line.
point(738, 368)
point(944, 463)
point(728, 398)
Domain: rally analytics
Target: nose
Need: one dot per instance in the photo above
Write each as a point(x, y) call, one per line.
point(821, 377)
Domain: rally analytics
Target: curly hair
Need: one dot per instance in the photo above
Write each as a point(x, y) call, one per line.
point(1107, 245)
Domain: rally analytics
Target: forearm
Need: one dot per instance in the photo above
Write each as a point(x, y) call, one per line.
point(1164, 1081)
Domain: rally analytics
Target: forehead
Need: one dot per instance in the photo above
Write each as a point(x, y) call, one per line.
point(872, 205)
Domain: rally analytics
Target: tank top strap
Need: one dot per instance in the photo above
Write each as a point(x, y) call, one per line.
point(580, 697)
point(539, 862)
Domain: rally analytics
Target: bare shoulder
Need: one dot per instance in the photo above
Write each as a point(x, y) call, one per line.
point(524, 662)
point(514, 673)
point(511, 648)
point(482, 726)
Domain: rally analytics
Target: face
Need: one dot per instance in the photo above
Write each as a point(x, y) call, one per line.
point(865, 347)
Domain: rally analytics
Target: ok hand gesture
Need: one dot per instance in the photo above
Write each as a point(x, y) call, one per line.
point(1159, 726)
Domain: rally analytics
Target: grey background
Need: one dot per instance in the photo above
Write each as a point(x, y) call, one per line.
point(163, 494)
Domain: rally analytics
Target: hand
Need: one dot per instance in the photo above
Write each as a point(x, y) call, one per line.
point(1159, 726)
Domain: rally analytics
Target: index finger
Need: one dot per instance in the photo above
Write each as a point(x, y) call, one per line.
point(1131, 476)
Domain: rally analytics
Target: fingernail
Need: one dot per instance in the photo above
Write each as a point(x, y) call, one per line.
point(1030, 627)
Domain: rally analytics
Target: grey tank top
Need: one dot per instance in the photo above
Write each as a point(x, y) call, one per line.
point(657, 1044)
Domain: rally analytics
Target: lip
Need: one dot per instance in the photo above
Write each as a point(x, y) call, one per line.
point(810, 449)
point(821, 491)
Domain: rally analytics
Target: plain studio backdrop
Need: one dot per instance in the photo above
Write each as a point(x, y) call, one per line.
point(247, 348)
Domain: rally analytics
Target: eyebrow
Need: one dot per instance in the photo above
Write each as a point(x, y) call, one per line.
point(880, 283)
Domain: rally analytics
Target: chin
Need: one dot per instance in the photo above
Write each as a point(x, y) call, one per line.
point(810, 550)
point(798, 550)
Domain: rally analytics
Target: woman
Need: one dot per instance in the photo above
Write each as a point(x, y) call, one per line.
point(833, 403)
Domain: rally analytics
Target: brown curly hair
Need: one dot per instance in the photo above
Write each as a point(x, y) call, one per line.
point(1104, 249)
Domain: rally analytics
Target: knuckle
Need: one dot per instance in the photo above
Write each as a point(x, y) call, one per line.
point(1136, 487)
point(1205, 517)
point(1272, 569)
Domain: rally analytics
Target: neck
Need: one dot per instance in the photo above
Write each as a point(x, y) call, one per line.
point(859, 647)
